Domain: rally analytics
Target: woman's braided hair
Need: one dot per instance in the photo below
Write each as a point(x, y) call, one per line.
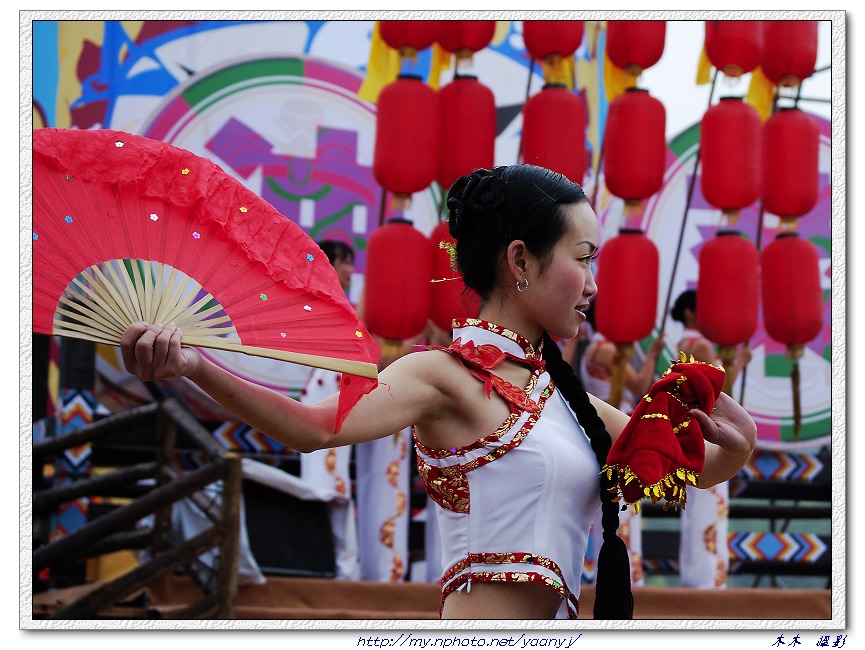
point(488, 209)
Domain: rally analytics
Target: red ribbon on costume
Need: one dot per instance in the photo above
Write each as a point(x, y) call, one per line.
point(482, 359)
point(661, 450)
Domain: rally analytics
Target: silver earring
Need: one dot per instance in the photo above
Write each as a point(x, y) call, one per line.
point(523, 288)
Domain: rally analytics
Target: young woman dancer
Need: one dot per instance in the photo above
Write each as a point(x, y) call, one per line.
point(509, 444)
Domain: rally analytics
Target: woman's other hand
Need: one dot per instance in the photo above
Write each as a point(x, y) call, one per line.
point(729, 426)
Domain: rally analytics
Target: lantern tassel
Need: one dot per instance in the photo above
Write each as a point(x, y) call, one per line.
point(632, 211)
point(558, 70)
point(795, 351)
point(617, 382)
point(727, 354)
point(731, 217)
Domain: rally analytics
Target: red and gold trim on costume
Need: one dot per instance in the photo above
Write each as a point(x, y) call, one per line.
point(449, 486)
point(482, 359)
point(523, 342)
point(503, 428)
point(454, 578)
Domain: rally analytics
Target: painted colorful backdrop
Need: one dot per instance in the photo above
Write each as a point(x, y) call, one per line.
point(276, 104)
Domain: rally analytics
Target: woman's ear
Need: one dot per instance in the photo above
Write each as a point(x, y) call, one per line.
point(517, 259)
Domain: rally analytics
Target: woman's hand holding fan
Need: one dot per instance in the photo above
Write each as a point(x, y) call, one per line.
point(154, 352)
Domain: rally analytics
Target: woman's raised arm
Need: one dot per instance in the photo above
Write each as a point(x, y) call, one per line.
point(406, 393)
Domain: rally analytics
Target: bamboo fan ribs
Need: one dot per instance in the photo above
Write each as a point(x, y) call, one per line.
point(129, 229)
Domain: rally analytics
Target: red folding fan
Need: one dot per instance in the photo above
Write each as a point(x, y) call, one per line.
point(129, 229)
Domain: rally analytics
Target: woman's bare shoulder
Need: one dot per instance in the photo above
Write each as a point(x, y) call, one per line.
point(433, 366)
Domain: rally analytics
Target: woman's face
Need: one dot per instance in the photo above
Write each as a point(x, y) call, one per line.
point(344, 268)
point(560, 294)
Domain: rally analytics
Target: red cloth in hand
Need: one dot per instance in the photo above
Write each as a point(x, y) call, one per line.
point(661, 450)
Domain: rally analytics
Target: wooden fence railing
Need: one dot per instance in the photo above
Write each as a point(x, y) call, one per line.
point(111, 531)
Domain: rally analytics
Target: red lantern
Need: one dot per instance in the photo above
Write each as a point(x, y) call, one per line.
point(635, 145)
point(791, 163)
point(464, 37)
point(468, 127)
point(792, 301)
point(449, 298)
point(634, 45)
point(730, 146)
point(734, 46)
point(405, 159)
point(397, 286)
point(554, 131)
point(792, 297)
point(789, 51)
point(627, 300)
point(409, 36)
point(550, 38)
point(727, 286)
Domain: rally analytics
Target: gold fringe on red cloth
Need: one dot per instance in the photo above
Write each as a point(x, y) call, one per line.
point(661, 450)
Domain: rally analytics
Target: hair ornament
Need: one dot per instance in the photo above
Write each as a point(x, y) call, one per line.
point(452, 253)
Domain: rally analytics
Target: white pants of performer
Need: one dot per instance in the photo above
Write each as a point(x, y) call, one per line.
point(329, 468)
point(704, 557)
point(382, 474)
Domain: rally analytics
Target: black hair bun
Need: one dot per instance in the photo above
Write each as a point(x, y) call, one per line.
point(686, 300)
point(480, 193)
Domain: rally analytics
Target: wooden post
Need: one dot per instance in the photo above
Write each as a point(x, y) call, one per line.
point(166, 438)
point(229, 551)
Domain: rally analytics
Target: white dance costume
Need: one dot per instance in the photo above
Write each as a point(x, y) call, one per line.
point(515, 505)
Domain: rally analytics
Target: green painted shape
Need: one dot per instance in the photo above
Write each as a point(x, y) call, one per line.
point(685, 141)
point(810, 430)
point(236, 74)
point(777, 365)
point(315, 196)
point(336, 216)
point(823, 242)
